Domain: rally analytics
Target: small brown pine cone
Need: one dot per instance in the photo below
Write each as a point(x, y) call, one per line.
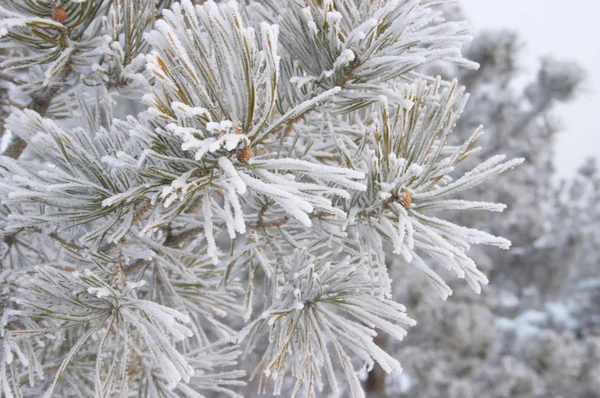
point(59, 14)
point(405, 199)
point(244, 154)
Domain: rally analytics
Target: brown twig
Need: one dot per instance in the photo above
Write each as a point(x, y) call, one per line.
point(57, 238)
point(40, 103)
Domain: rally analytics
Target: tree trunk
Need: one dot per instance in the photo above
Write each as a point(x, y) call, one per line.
point(375, 384)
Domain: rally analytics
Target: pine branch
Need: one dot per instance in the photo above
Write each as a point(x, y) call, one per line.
point(40, 103)
point(289, 160)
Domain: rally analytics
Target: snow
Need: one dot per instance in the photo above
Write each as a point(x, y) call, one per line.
point(344, 59)
point(333, 17)
point(213, 252)
point(177, 190)
point(100, 292)
point(229, 169)
point(185, 110)
point(218, 127)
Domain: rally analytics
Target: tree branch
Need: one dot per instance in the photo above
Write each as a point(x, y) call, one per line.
point(40, 103)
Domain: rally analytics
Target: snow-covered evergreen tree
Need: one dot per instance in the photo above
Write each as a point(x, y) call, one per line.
point(183, 183)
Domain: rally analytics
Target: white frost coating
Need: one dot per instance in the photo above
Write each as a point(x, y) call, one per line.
point(213, 252)
point(194, 140)
point(303, 107)
point(100, 292)
point(268, 189)
point(217, 127)
point(480, 174)
point(239, 224)
point(229, 169)
point(301, 81)
point(456, 204)
point(11, 19)
point(182, 109)
point(231, 141)
point(334, 17)
point(185, 133)
point(167, 31)
point(340, 175)
point(58, 65)
point(344, 59)
point(177, 190)
point(174, 366)
point(270, 33)
point(302, 165)
point(167, 314)
point(415, 169)
point(360, 33)
point(134, 285)
point(297, 207)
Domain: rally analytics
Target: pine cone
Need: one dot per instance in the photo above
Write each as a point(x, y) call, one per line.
point(405, 199)
point(59, 14)
point(244, 154)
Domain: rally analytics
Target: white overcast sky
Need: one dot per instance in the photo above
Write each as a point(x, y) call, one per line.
point(567, 30)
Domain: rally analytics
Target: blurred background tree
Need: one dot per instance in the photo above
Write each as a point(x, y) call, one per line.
point(535, 333)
